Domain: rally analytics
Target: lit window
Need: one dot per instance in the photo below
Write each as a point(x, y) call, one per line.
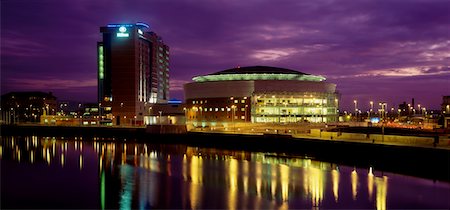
point(216, 109)
point(222, 109)
point(210, 109)
point(236, 101)
point(243, 117)
point(243, 109)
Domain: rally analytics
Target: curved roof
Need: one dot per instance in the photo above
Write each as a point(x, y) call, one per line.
point(258, 73)
point(258, 70)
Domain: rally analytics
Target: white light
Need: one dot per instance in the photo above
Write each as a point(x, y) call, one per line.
point(140, 31)
point(122, 29)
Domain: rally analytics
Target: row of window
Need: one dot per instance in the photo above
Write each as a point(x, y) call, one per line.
point(228, 109)
point(206, 101)
point(235, 117)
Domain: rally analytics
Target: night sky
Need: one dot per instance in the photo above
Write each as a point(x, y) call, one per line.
point(373, 50)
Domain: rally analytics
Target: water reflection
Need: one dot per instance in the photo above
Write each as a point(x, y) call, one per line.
point(132, 175)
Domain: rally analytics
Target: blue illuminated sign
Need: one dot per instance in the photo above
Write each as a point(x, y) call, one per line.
point(119, 25)
point(174, 101)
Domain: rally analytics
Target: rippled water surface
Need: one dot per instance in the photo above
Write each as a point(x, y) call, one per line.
point(39, 172)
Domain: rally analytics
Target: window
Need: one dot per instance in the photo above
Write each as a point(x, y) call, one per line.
point(243, 101)
point(222, 109)
point(243, 109)
point(236, 101)
point(216, 109)
point(243, 117)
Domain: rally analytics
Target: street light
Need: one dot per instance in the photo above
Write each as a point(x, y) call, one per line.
point(233, 113)
point(246, 106)
point(356, 109)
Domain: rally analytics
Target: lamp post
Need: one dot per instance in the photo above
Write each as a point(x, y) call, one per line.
point(371, 108)
point(356, 109)
point(246, 106)
point(233, 113)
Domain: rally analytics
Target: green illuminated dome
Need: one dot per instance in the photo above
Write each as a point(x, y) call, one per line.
point(258, 73)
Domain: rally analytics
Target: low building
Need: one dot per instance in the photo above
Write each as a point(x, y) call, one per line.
point(21, 107)
point(260, 94)
point(445, 108)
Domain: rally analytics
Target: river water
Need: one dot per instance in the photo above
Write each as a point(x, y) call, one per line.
point(48, 172)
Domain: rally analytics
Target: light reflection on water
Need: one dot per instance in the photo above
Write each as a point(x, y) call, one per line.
point(135, 175)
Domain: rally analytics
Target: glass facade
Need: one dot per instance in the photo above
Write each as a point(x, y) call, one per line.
point(295, 107)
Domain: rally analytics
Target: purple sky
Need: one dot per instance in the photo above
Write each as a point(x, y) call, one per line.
point(373, 50)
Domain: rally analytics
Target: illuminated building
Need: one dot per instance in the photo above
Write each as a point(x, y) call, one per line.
point(260, 94)
point(445, 108)
point(19, 107)
point(133, 72)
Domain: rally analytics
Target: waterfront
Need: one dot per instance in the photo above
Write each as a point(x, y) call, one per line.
point(77, 173)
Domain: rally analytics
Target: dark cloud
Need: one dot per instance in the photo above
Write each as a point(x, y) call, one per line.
point(359, 45)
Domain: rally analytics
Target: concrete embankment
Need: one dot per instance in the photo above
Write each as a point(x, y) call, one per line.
point(428, 162)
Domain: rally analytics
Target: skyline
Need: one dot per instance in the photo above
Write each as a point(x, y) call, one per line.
point(375, 51)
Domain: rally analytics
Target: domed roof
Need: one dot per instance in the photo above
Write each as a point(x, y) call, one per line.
point(257, 73)
point(258, 70)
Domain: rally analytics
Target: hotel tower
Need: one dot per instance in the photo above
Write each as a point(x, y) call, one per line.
point(133, 72)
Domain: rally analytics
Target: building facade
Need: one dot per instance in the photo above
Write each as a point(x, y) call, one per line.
point(20, 107)
point(260, 94)
point(133, 72)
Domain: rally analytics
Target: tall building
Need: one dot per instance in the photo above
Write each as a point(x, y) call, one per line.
point(260, 94)
point(133, 72)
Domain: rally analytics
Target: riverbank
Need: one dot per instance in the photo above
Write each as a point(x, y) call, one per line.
point(421, 161)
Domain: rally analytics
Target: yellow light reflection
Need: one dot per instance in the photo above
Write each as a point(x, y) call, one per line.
point(31, 156)
point(81, 161)
point(196, 180)
point(370, 183)
point(184, 167)
point(232, 174)
point(258, 178)
point(354, 179)
point(381, 184)
point(48, 156)
point(335, 181)
point(273, 181)
point(62, 159)
point(245, 176)
point(284, 176)
point(314, 185)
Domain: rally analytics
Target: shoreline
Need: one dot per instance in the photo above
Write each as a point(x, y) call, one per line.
point(426, 162)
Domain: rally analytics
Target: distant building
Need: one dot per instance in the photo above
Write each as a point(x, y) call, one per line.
point(172, 112)
point(445, 108)
point(133, 72)
point(260, 94)
point(20, 107)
